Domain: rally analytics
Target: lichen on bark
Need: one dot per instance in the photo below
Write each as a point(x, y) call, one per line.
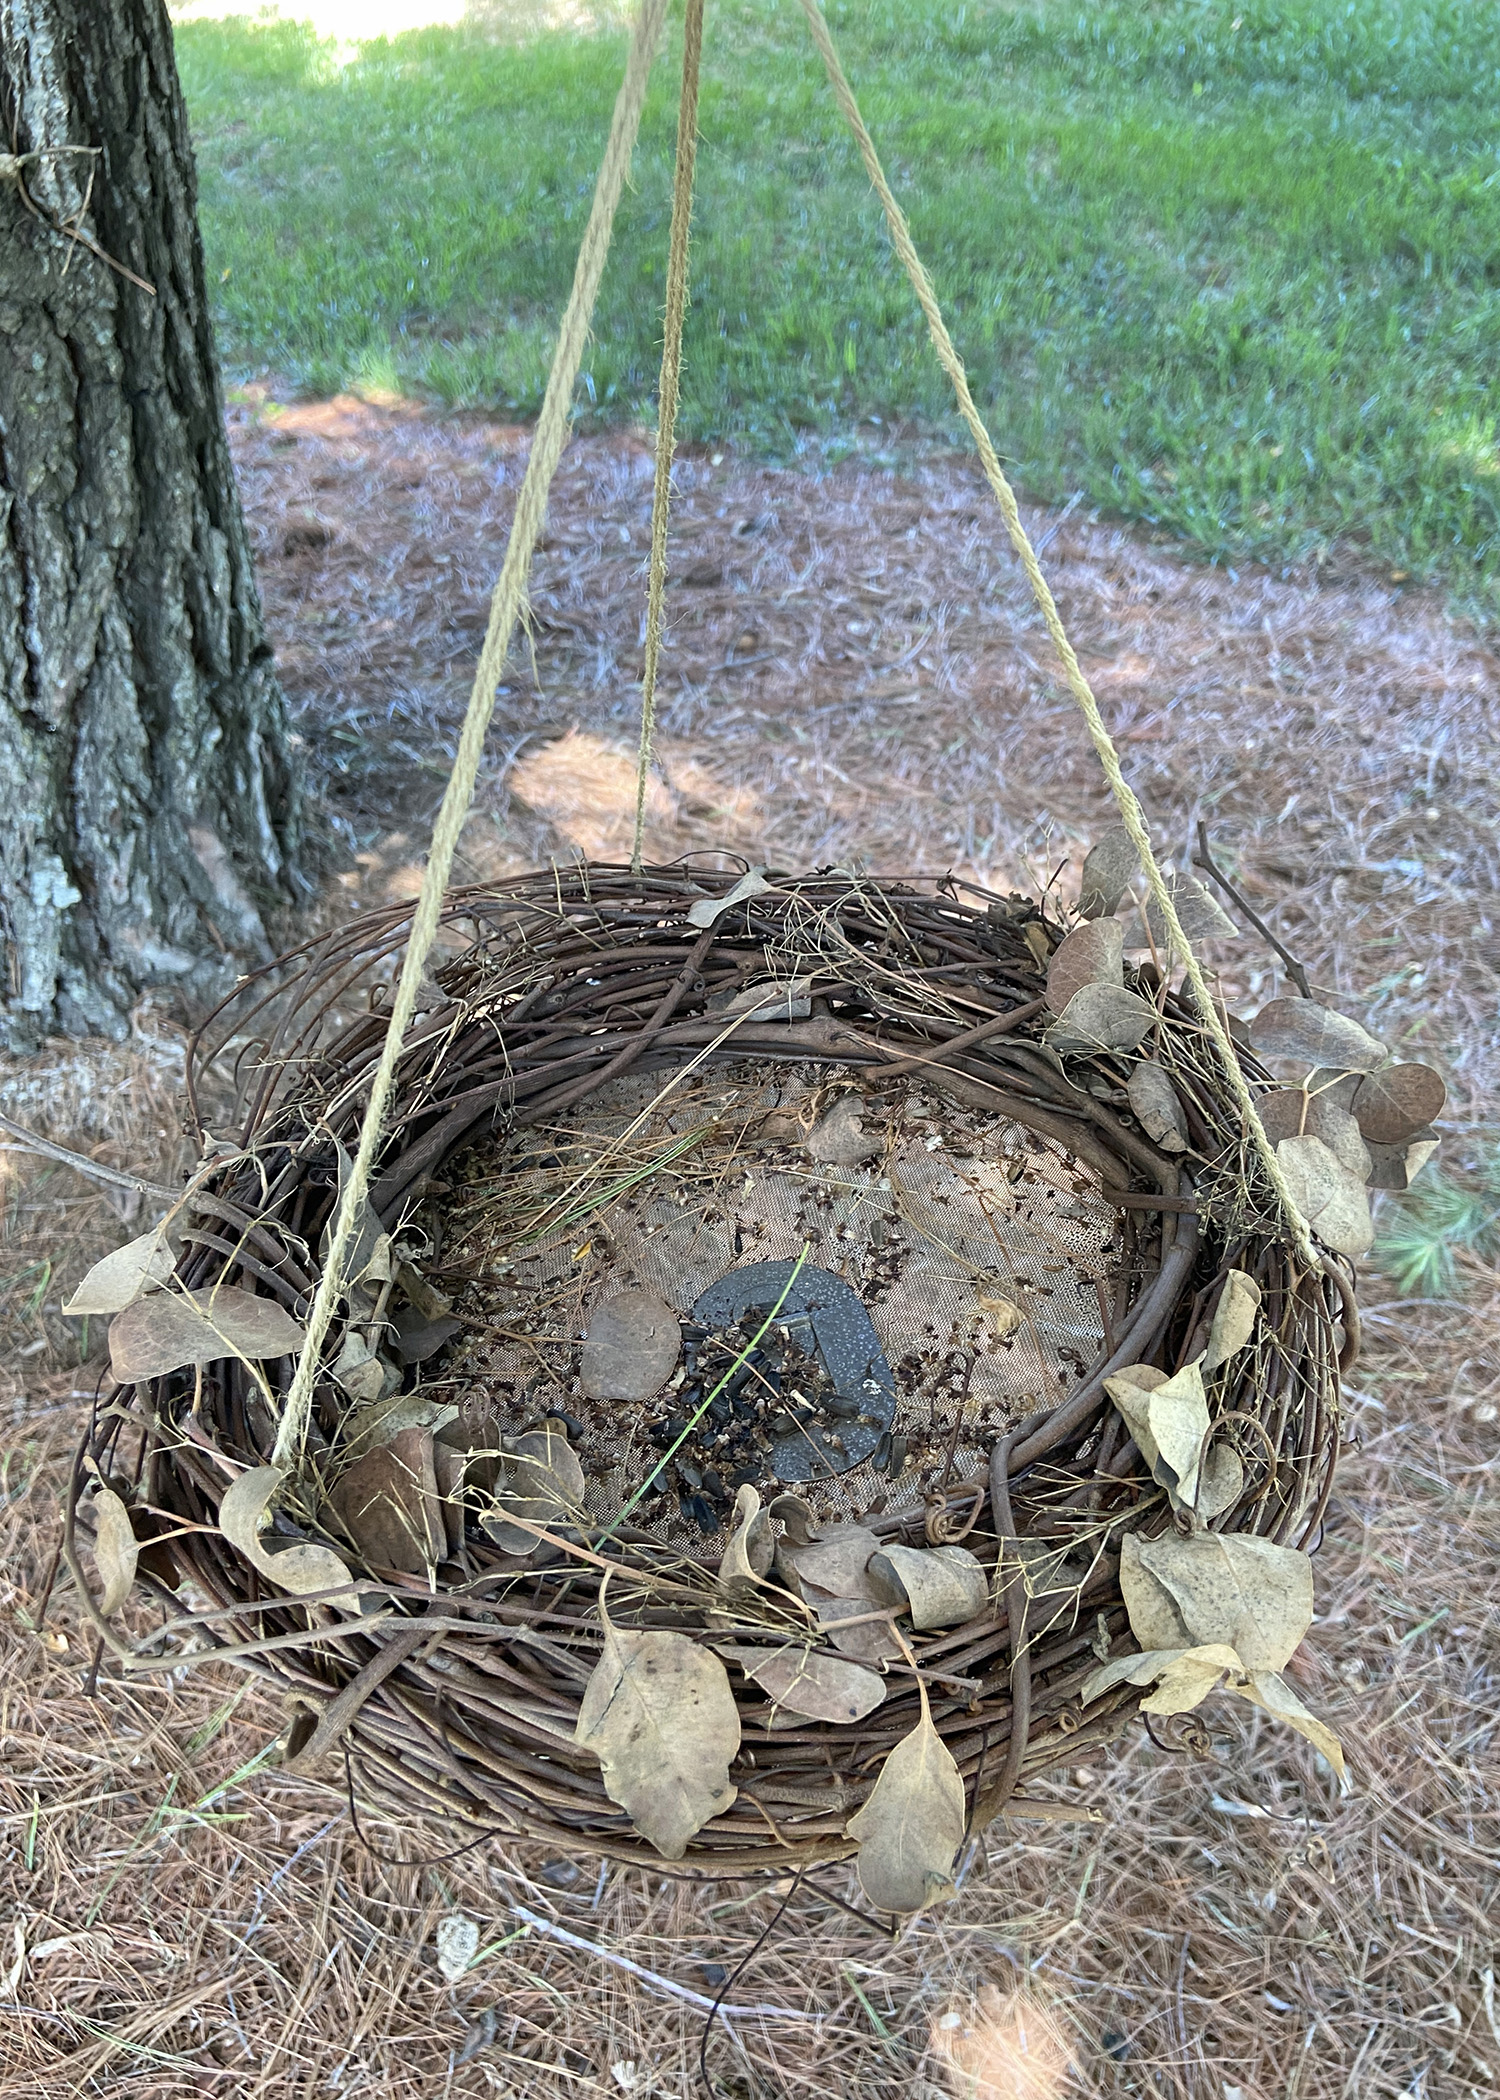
point(151, 814)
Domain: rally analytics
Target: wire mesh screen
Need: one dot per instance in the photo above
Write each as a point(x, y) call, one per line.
point(984, 1256)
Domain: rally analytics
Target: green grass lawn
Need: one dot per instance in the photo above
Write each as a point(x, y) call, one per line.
point(1232, 266)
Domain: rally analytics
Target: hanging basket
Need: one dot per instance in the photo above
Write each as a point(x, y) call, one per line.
point(743, 1268)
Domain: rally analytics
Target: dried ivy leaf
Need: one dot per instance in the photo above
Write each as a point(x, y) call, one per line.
point(1294, 1113)
point(785, 999)
point(301, 1568)
point(544, 1483)
point(169, 1329)
point(377, 1421)
point(1109, 867)
point(129, 1273)
point(367, 1256)
point(836, 1561)
point(1154, 1618)
point(1004, 1318)
point(910, 1829)
point(419, 1293)
point(1306, 1033)
point(634, 1341)
point(1330, 1196)
point(1246, 1592)
point(659, 1713)
point(1199, 913)
point(1157, 1107)
point(871, 1641)
point(1265, 1689)
point(708, 910)
point(1234, 1319)
point(840, 1139)
point(416, 1337)
point(1102, 1017)
point(388, 1503)
point(1168, 1417)
point(939, 1585)
point(752, 1543)
point(451, 1468)
point(821, 1687)
point(796, 1517)
point(1183, 1677)
point(1397, 1166)
point(1093, 953)
point(362, 1372)
point(1221, 1482)
point(115, 1549)
point(1396, 1103)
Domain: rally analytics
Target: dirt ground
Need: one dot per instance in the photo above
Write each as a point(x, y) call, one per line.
point(854, 671)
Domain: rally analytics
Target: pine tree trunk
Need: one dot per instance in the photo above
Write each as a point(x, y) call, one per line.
point(150, 810)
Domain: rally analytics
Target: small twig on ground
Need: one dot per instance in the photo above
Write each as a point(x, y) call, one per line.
point(1204, 859)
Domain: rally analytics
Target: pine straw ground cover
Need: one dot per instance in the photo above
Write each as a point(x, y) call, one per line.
point(1228, 1924)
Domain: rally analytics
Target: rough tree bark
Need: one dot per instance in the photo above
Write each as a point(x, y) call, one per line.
point(150, 809)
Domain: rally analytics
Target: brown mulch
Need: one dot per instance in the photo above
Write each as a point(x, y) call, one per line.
point(854, 671)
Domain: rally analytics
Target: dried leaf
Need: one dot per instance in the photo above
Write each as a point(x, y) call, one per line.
point(939, 1585)
point(752, 1543)
point(1093, 953)
point(1102, 1017)
point(1330, 1196)
point(1251, 1595)
point(634, 1341)
point(1274, 1696)
point(1004, 1318)
point(122, 1277)
point(544, 1483)
point(115, 1549)
point(419, 1293)
point(1184, 1677)
point(457, 1944)
point(387, 1502)
point(789, 999)
point(1306, 1033)
point(835, 1561)
point(871, 1641)
point(300, 1568)
point(822, 1687)
point(451, 1468)
point(910, 1829)
point(1199, 913)
point(1110, 866)
point(796, 1517)
point(367, 1256)
point(1234, 1319)
point(708, 910)
point(1221, 1482)
point(169, 1329)
point(659, 1713)
point(1158, 1108)
point(1154, 1618)
point(416, 1337)
point(1168, 1417)
point(840, 1139)
point(378, 1421)
point(1397, 1166)
point(1295, 1113)
point(1394, 1104)
point(360, 1370)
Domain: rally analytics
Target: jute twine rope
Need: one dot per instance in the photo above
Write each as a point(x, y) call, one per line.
point(1130, 809)
point(505, 609)
point(509, 598)
point(666, 420)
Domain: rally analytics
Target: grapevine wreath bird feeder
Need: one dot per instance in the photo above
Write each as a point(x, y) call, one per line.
point(739, 1368)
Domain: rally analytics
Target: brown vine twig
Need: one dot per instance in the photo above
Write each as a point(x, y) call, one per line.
point(1204, 859)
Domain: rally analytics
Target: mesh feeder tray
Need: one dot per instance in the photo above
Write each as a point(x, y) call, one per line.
point(715, 1432)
